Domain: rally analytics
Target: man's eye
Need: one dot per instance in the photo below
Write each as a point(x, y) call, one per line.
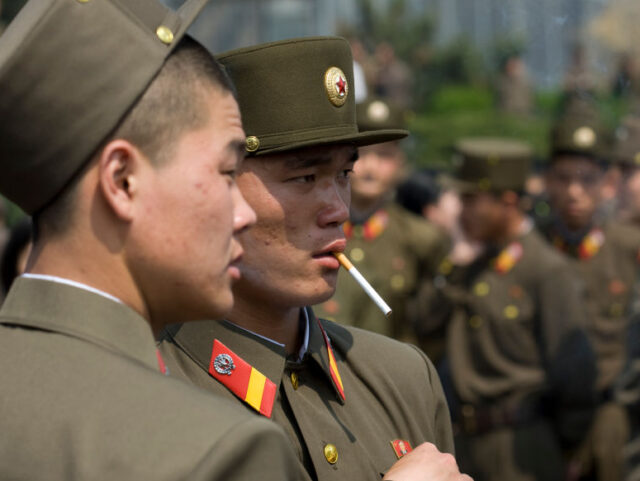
point(304, 179)
point(346, 173)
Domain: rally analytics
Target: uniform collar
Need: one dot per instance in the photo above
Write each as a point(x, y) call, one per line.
point(77, 312)
point(196, 339)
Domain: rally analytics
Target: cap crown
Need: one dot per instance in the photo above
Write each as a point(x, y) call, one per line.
point(69, 72)
point(297, 93)
point(492, 164)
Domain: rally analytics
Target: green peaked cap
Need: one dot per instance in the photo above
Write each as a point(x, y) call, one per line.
point(580, 130)
point(491, 164)
point(298, 93)
point(69, 72)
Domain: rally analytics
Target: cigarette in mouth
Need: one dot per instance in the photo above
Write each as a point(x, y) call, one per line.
point(375, 297)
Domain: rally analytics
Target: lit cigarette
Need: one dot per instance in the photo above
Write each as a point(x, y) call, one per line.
point(375, 297)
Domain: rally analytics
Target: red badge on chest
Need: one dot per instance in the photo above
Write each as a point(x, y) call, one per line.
point(401, 447)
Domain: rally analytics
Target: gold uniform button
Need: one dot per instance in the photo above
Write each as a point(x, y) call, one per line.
point(252, 143)
point(357, 254)
point(294, 380)
point(446, 266)
point(331, 453)
point(397, 282)
point(164, 34)
point(481, 289)
point(511, 311)
point(616, 309)
point(475, 322)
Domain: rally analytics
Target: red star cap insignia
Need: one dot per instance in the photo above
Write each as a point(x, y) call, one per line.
point(341, 84)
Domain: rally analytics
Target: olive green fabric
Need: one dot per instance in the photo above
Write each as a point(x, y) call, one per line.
point(392, 392)
point(377, 114)
point(408, 250)
point(609, 276)
point(69, 71)
point(580, 131)
point(83, 398)
point(520, 366)
point(626, 149)
point(284, 95)
point(490, 164)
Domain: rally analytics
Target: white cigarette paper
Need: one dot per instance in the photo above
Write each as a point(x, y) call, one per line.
point(375, 297)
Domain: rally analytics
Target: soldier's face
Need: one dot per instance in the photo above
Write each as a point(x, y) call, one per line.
point(301, 199)
point(377, 171)
point(575, 186)
point(186, 254)
point(483, 216)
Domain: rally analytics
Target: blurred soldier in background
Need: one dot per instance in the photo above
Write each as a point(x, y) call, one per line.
point(626, 154)
point(392, 248)
point(519, 370)
point(424, 194)
point(605, 254)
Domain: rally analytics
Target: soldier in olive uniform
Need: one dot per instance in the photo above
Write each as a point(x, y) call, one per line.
point(119, 227)
point(351, 401)
point(393, 249)
point(518, 358)
point(605, 254)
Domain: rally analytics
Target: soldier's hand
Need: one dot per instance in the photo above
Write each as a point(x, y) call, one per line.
point(426, 463)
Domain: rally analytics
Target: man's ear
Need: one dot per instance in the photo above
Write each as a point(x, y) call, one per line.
point(120, 166)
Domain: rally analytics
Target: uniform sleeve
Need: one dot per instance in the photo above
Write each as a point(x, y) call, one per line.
point(255, 449)
point(441, 416)
point(567, 353)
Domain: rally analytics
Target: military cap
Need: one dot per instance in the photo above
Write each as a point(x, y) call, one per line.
point(376, 114)
point(298, 93)
point(579, 130)
point(626, 149)
point(69, 72)
point(491, 164)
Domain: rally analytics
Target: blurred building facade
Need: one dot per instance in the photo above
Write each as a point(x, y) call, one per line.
point(548, 28)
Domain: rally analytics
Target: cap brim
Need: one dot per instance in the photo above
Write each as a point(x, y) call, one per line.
point(359, 140)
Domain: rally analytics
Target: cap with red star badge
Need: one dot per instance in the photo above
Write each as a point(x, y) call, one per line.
point(298, 93)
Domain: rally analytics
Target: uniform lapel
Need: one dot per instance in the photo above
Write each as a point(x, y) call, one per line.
point(321, 351)
point(249, 366)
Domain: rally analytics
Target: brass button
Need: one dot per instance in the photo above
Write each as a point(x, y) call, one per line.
point(83, 1)
point(397, 282)
point(294, 380)
point(357, 254)
point(616, 309)
point(253, 143)
point(164, 34)
point(511, 311)
point(475, 322)
point(484, 184)
point(481, 289)
point(446, 266)
point(331, 453)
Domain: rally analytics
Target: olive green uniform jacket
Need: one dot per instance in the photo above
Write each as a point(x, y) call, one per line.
point(609, 272)
point(83, 399)
point(394, 250)
point(392, 392)
point(522, 370)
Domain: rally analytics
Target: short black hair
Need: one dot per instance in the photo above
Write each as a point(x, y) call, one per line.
point(171, 105)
